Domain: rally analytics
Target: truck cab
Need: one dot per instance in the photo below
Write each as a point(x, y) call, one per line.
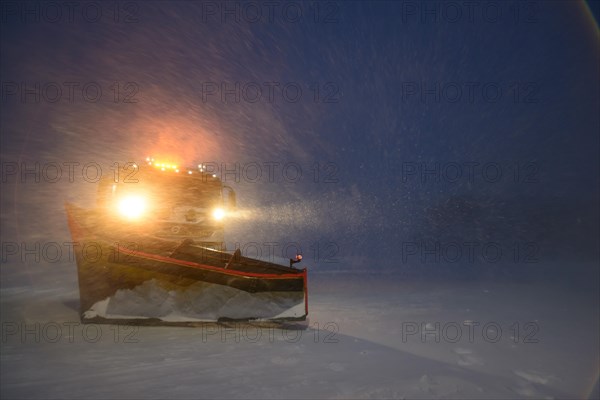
point(167, 201)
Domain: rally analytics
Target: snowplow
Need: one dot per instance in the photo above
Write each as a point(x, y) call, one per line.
point(151, 252)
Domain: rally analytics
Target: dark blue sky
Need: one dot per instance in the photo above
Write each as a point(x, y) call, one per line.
point(532, 71)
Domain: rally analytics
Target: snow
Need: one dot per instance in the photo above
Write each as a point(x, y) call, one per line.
point(200, 302)
point(358, 344)
point(381, 325)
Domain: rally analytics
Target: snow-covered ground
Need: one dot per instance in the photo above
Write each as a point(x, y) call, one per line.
point(369, 336)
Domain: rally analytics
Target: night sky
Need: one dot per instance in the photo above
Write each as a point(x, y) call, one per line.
point(362, 97)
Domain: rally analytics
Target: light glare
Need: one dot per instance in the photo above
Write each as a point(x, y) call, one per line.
point(132, 207)
point(218, 214)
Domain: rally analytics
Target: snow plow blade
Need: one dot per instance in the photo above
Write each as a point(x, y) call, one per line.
point(128, 277)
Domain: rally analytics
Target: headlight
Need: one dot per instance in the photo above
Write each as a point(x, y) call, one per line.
point(218, 214)
point(132, 207)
